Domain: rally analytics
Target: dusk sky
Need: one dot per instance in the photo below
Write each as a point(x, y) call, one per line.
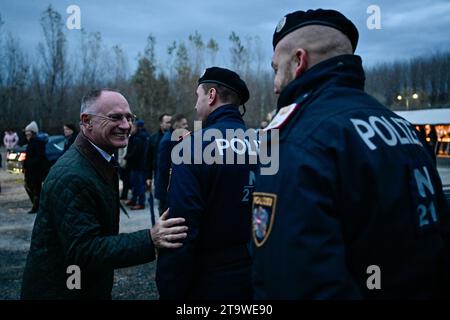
point(408, 28)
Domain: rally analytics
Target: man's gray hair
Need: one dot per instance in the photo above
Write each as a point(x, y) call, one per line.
point(91, 97)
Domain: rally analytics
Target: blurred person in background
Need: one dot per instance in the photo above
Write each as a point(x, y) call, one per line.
point(35, 165)
point(136, 164)
point(162, 175)
point(70, 134)
point(11, 139)
point(152, 156)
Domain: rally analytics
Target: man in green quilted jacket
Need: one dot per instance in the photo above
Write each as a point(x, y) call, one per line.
point(76, 245)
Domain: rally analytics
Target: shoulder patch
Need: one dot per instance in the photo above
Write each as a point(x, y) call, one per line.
point(282, 117)
point(263, 215)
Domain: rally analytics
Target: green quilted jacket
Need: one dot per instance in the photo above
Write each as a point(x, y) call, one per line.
point(78, 224)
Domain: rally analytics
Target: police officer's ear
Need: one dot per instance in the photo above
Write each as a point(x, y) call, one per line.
point(212, 96)
point(301, 62)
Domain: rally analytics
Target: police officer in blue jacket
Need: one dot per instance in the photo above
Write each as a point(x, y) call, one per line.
point(356, 209)
point(213, 197)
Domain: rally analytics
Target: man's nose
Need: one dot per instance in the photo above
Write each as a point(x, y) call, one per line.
point(125, 124)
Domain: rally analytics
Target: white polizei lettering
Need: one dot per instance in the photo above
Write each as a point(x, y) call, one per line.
point(392, 141)
point(412, 132)
point(408, 131)
point(192, 148)
point(222, 144)
point(400, 124)
point(402, 140)
point(365, 135)
point(415, 137)
point(233, 144)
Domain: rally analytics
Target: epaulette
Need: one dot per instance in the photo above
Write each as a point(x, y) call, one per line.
point(282, 117)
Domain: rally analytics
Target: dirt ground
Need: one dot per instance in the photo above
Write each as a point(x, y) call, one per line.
point(16, 225)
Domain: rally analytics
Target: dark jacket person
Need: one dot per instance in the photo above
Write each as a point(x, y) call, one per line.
point(356, 209)
point(214, 262)
point(35, 165)
point(78, 220)
point(70, 134)
point(155, 139)
point(136, 164)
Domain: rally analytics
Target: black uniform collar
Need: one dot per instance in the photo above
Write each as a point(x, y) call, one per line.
point(225, 111)
point(344, 70)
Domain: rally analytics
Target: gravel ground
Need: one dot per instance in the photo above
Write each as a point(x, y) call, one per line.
point(136, 283)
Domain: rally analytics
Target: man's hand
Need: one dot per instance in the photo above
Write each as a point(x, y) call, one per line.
point(164, 233)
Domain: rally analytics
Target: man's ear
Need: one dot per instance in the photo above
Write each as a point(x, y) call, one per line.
point(212, 96)
point(85, 121)
point(301, 62)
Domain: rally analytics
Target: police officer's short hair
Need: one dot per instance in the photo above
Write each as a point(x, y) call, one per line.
point(226, 95)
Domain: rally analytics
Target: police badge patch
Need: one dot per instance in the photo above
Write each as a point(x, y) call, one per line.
point(282, 117)
point(263, 213)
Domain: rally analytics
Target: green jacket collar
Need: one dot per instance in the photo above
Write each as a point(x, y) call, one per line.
point(104, 168)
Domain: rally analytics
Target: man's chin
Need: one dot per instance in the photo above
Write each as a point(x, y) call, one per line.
point(120, 143)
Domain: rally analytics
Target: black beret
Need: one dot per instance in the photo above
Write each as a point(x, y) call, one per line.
point(329, 18)
point(226, 78)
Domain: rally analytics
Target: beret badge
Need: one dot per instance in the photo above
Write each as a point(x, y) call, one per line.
point(281, 24)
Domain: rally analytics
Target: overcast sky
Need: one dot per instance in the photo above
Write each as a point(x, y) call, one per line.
point(408, 28)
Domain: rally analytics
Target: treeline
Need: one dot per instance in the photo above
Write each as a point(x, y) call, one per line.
point(47, 85)
point(420, 82)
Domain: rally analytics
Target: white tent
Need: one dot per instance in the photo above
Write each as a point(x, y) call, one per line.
point(426, 116)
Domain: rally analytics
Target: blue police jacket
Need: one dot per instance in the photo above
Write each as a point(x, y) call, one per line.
point(356, 209)
point(215, 200)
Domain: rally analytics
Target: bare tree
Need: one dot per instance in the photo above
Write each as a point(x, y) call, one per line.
point(239, 54)
point(90, 52)
point(50, 75)
point(198, 48)
point(15, 70)
point(120, 66)
point(213, 48)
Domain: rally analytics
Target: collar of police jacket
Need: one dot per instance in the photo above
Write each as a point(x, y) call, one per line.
point(228, 111)
point(343, 70)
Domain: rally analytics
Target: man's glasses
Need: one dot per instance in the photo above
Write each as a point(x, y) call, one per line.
point(116, 117)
